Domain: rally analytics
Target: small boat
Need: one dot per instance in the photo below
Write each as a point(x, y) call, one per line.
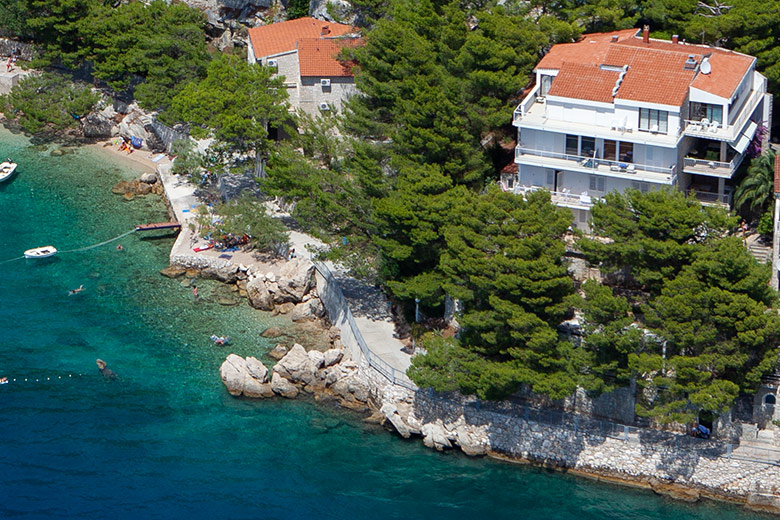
point(41, 252)
point(203, 248)
point(7, 168)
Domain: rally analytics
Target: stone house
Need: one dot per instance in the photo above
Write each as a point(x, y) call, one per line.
point(305, 52)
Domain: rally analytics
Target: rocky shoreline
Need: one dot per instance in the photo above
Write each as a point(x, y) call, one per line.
point(667, 463)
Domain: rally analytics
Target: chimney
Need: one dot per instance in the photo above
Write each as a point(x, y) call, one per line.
point(675, 38)
point(325, 30)
point(614, 38)
point(646, 34)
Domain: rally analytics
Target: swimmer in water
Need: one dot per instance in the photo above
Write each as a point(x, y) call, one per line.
point(107, 373)
point(119, 247)
point(76, 291)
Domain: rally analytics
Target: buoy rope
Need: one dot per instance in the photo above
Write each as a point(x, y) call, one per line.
point(100, 244)
point(11, 260)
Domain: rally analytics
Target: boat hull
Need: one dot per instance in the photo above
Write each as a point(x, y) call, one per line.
point(41, 252)
point(7, 169)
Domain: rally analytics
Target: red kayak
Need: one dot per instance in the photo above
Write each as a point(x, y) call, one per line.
point(204, 248)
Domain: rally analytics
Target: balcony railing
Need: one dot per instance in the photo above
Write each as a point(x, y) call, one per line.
point(559, 198)
point(712, 168)
point(714, 129)
point(598, 165)
point(712, 199)
point(525, 105)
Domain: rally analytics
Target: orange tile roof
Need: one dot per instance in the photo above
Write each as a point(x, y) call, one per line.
point(268, 40)
point(318, 56)
point(584, 82)
point(656, 72)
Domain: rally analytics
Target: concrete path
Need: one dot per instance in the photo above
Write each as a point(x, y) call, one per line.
point(368, 304)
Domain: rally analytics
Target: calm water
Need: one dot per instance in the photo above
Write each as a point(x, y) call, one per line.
point(165, 440)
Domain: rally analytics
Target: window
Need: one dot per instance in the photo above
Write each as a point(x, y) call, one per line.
point(544, 88)
point(651, 120)
point(640, 186)
point(598, 184)
point(610, 150)
point(588, 146)
point(572, 144)
point(627, 152)
point(706, 111)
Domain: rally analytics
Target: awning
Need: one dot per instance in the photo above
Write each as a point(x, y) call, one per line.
point(745, 137)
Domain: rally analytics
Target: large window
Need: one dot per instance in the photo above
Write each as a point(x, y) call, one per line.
point(627, 152)
point(598, 184)
point(572, 144)
point(706, 111)
point(610, 150)
point(652, 120)
point(544, 88)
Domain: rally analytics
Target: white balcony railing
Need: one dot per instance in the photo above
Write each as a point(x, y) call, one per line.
point(714, 129)
point(712, 168)
point(709, 198)
point(598, 165)
point(526, 104)
point(559, 198)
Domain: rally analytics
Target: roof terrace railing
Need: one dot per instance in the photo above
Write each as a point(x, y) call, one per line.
point(526, 104)
point(603, 166)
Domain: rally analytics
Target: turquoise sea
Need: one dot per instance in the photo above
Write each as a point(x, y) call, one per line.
point(165, 440)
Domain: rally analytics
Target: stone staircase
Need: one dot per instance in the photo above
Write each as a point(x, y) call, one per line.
point(759, 251)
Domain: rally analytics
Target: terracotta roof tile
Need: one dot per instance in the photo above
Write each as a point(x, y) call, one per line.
point(318, 56)
point(584, 82)
point(656, 72)
point(268, 40)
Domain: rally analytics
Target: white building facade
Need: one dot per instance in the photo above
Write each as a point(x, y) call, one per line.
point(621, 110)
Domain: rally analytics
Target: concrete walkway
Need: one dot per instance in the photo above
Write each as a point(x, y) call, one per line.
point(368, 304)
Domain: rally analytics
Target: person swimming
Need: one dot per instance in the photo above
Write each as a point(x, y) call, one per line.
point(76, 290)
point(119, 247)
point(107, 373)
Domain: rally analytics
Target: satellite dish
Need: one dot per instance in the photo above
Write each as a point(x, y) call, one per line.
point(705, 67)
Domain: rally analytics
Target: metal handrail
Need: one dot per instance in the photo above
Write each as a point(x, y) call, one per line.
point(397, 377)
point(593, 163)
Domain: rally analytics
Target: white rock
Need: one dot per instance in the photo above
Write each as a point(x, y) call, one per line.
point(256, 369)
point(258, 295)
point(317, 358)
point(233, 372)
point(435, 437)
point(332, 356)
point(282, 386)
point(391, 414)
point(296, 365)
point(271, 277)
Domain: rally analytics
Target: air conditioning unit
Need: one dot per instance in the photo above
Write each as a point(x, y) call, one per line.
point(324, 82)
point(324, 106)
point(272, 64)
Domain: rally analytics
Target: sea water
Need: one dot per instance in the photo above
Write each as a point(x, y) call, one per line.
point(165, 440)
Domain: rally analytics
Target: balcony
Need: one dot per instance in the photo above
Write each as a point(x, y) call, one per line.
point(708, 198)
point(559, 198)
point(714, 130)
point(595, 166)
point(712, 168)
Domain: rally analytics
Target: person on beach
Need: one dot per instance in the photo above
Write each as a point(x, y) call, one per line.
point(76, 291)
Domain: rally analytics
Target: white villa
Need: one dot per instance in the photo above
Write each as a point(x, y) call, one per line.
point(621, 110)
point(305, 52)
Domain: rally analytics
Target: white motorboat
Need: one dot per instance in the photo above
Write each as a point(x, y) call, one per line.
point(41, 252)
point(7, 168)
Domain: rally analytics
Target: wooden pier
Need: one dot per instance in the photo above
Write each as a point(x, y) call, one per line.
point(158, 225)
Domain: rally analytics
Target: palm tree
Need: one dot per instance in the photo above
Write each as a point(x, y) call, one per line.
point(757, 188)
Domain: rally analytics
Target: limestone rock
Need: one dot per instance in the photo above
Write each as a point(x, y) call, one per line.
point(259, 298)
point(296, 365)
point(172, 272)
point(391, 414)
point(468, 442)
point(144, 189)
point(317, 358)
point(254, 388)
point(272, 332)
point(256, 369)
point(332, 374)
point(279, 351)
point(332, 356)
point(308, 310)
point(148, 178)
point(282, 386)
point(296, 278)
point(96, 125)
point(283, 308)
point(435, 437)
point(233, 373)
point(270, 277)
point(225, 273)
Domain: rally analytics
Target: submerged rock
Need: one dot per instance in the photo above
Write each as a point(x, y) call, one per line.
point(279, 351)
point(272, 332)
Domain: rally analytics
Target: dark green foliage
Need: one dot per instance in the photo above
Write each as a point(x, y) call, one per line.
point(48, 101)
point(718, 335)
point(235, 103)
point(247, 215)
point(297, 9)
point(56, 26)
point(13, 18)
point(756, 190)
point(503, 262)
point(188, 161)
point(766, 224)
point(654, 235)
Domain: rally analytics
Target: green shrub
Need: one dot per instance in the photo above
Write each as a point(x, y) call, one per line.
point(766, 224)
